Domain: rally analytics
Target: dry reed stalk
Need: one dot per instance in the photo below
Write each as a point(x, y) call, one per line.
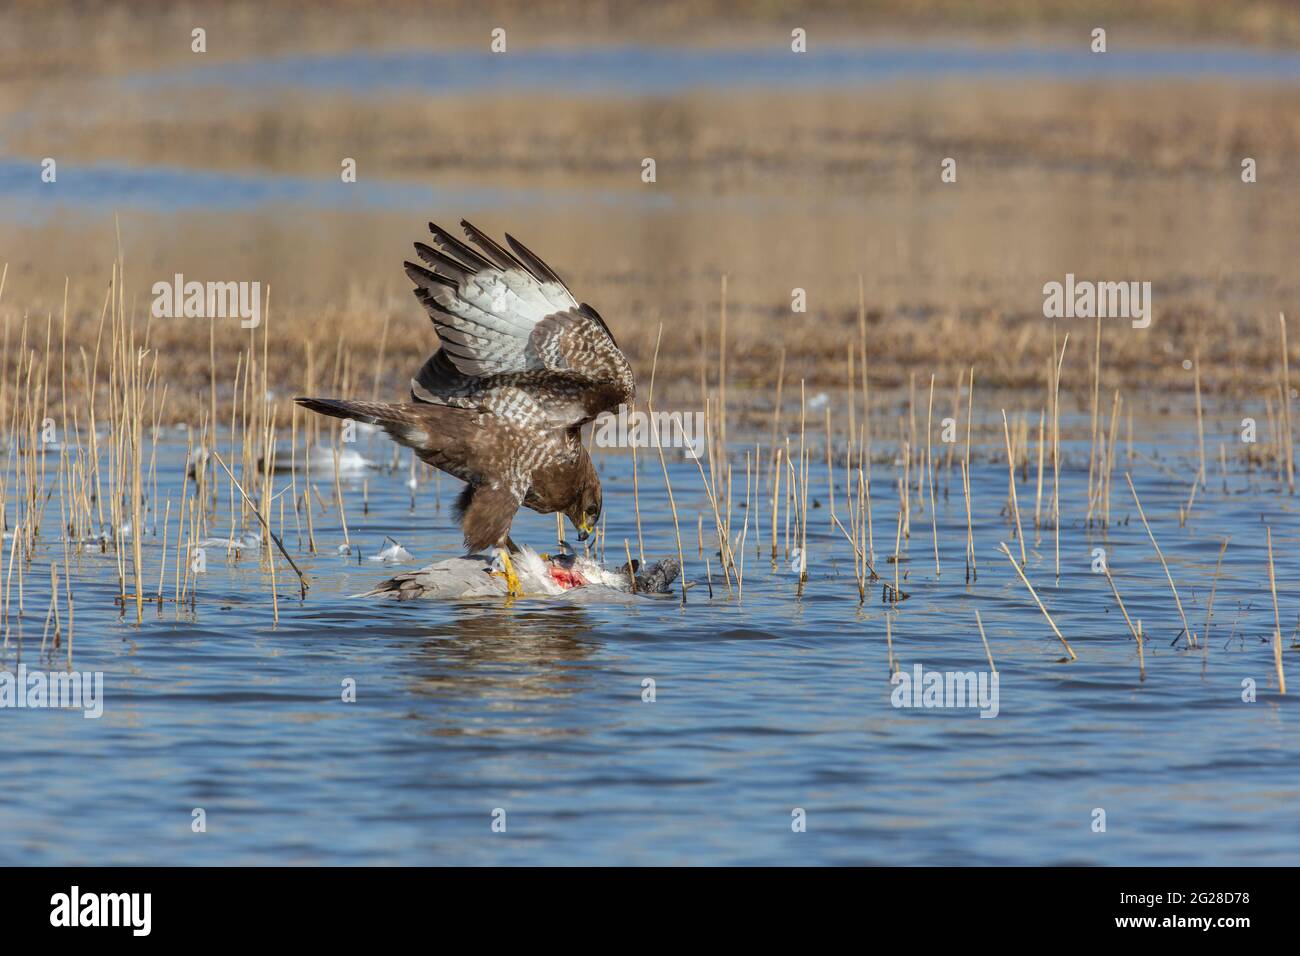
point(53, 612)
point(970, 530)
point(264, 513)
point(803, 491)
point(723, 543)
point(1108, 472)
point(1185, 512)
point(862, 351)
point(302, 580)
point(972, 570)
point(906, 479)
point(911, 446)
point(722, 367)
point(1128, 437)
point(1277, 619)
point(830, 467)
point(952, 445)
point(1280, 442)
point(889, 643)
point(4, 523)
point(898, 543)
point(338, 499)
point(858, 573)
point(1191, 638)
point(636, 474)
point(852, 402)
point(1015, 501)
point(162, 566)
point(929, 477)
point(744, 532)
point(1209, 605)
point(672, 502)
point(1123, 610)
point(776, 492)
point(864, 481)
point(1002, 546)
point(1135, 631)
point(790, 479)
point(776, 415)
point(1286, 406)
point(984, 638)
point(1038, 496)
point(1056, 447)
point(1200, 417)
point(1092, 447)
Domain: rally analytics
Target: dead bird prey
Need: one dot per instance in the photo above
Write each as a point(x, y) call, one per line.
point(577, 575)
point(521, 368)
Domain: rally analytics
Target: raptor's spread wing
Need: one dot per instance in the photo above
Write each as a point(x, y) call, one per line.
point(512, 331)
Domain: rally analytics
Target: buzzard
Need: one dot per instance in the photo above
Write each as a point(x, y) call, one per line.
point(522, 366)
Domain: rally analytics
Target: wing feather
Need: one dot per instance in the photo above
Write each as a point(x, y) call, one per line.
point(514, 338)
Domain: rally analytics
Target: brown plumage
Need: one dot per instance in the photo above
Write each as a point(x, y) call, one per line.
point(500, 405)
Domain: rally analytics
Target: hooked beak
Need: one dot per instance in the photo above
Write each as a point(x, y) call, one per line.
point(584, 528)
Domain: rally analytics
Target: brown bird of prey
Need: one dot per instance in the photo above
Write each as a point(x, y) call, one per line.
point(521, 368)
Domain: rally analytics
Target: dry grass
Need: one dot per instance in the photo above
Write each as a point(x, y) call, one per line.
point(777, 191)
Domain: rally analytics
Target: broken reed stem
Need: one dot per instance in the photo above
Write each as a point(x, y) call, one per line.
point(984, 638)
point(302, 581)
point(1209, 605)
point(1135, 631)
point(1191, 638)
point(1120, 602)
point(1277, 620)
point(1002, 546)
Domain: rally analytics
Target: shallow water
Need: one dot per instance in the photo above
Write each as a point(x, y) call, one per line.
point(763, 705)
point(653, 70)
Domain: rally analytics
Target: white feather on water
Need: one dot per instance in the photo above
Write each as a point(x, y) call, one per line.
point(391, 553)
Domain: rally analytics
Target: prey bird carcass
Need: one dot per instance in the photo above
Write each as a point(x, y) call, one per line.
point(579, 576)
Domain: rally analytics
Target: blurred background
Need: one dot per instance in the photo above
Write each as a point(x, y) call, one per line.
point(781, 170)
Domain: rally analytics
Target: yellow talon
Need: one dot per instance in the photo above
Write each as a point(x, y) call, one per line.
point(513, 587)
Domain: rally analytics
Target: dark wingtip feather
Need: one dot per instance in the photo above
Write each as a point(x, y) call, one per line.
point(421, 276)
point(438, 259)
point(455, 247)
point(540, 270)
point(501, 257)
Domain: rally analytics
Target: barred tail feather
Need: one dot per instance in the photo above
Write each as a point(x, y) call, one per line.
point(404, 423)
